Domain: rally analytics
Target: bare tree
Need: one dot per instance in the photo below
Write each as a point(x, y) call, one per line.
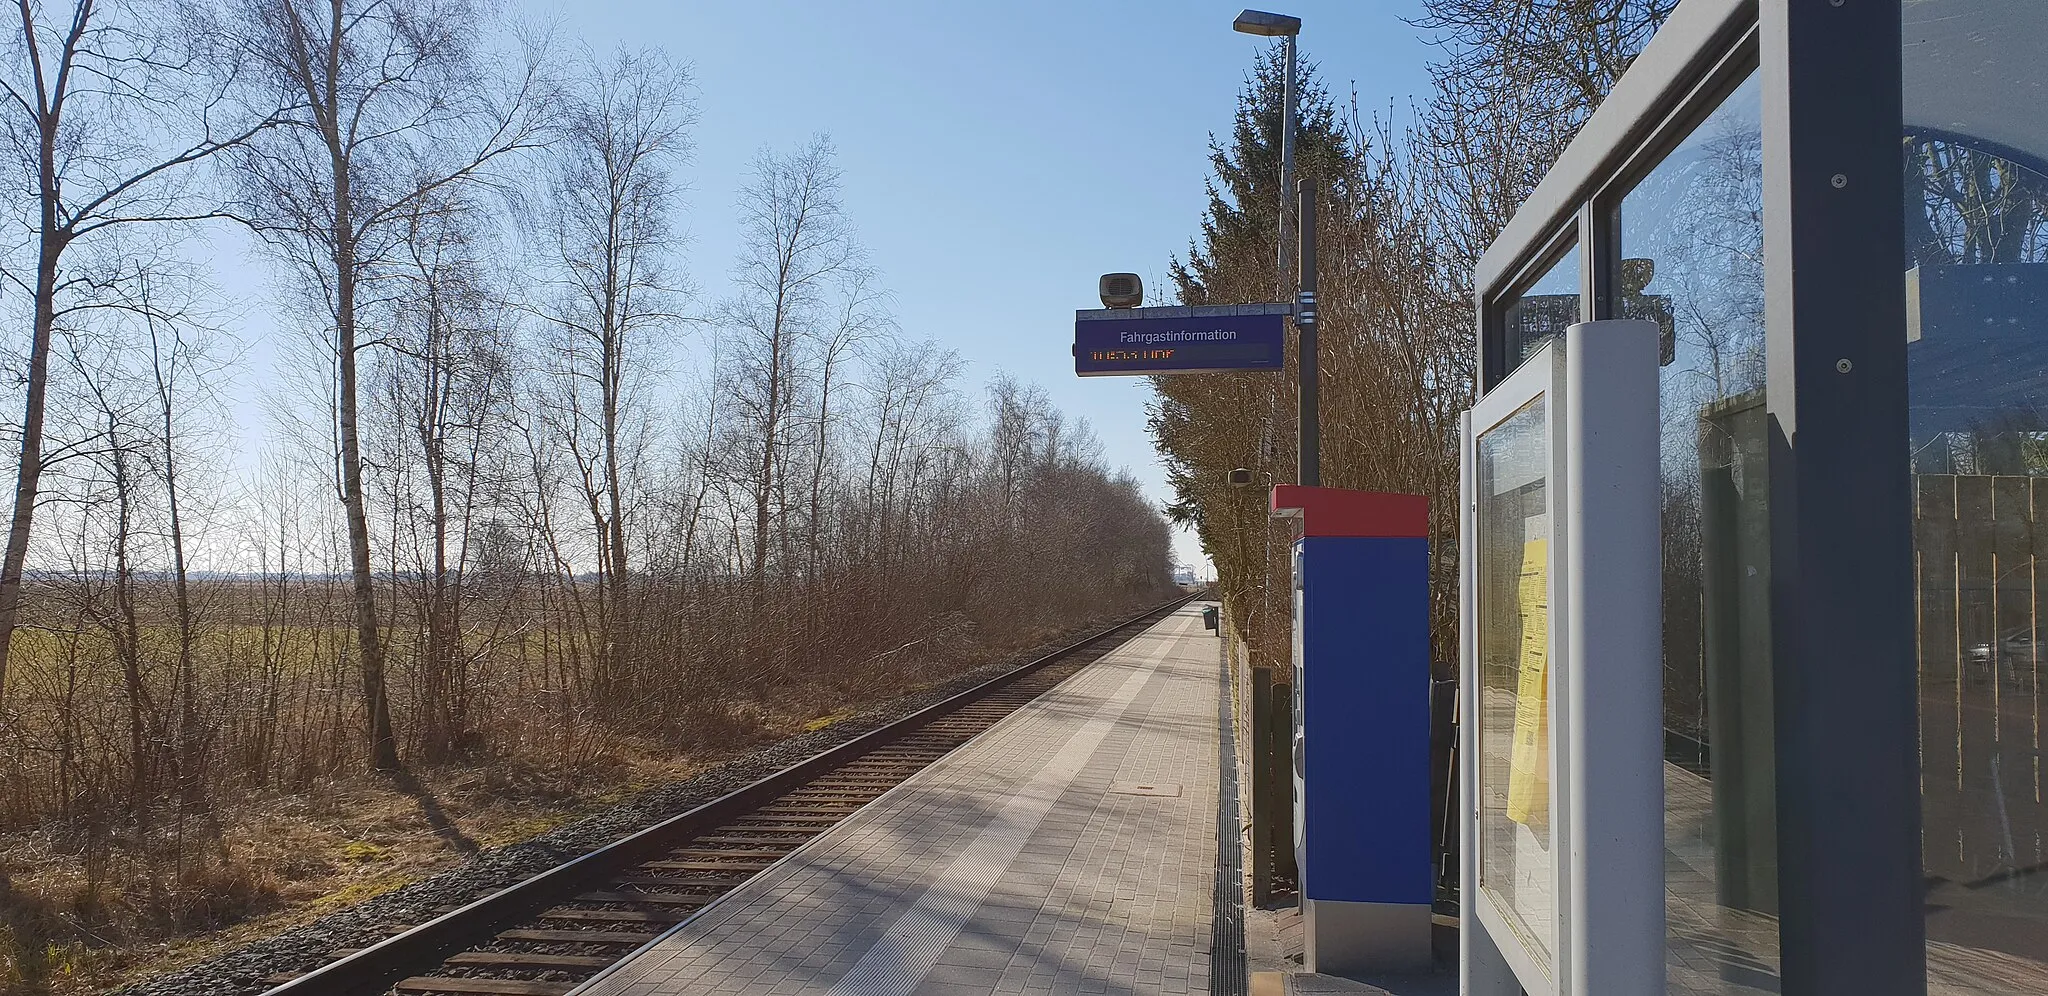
point(796, 247)
point(398, 112)
point(177, 382)
point(688, 515)
point(1564, 53)
point(625, 129)
point(113, 413)
point(859, 319)
point(1515, 80)
point(108, 105)
point(446, 389)
point(910, 398)
point(1019, 434)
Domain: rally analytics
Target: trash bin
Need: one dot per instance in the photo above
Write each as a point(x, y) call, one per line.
point(1210, 621)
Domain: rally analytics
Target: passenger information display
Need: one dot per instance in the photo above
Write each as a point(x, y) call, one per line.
point(1136, 341)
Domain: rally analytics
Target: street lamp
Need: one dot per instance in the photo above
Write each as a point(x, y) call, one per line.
point(1258, 22)
point(1309, 472)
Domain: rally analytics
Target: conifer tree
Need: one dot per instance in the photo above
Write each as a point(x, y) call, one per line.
point(1206, 425)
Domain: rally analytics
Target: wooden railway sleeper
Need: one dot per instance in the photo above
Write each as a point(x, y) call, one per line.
point(496, 987)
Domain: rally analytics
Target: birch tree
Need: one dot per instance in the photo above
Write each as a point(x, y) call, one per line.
point(397, 109)
point(609, 233)
point(796, 249)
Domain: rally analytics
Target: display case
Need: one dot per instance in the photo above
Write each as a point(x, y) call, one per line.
point(1563, 793)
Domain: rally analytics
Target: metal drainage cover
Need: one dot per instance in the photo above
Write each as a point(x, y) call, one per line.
point(1163, 789)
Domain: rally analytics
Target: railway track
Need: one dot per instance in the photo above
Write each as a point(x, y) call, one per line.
point(550, 933)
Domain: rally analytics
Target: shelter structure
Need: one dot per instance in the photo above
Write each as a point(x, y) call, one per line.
point(1836, 213)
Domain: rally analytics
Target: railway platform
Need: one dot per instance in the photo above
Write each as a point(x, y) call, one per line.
point(1071, 848)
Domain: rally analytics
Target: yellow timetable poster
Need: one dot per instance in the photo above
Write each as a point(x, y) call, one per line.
point(1529, 767)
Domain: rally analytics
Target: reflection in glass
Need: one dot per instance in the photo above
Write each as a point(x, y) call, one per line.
point(1691, 246)
point(1976, 158)
point(1543, 310)
point(1516, 867)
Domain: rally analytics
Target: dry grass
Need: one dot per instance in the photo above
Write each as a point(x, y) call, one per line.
point(287, 859)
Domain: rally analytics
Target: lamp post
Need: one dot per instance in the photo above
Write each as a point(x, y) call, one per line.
point(1286, 27)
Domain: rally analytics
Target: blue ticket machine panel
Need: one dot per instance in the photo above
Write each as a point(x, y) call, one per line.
point(1361, 708)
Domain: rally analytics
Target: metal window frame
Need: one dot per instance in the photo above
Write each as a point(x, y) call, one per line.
point(1564, 241)
point(1847, 723)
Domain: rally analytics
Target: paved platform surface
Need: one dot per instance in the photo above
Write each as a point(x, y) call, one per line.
point(1069, 849)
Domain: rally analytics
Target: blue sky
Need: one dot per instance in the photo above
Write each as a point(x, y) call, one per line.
point(998, 156)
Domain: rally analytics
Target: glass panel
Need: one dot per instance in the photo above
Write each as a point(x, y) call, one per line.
point(1691, 235)
point(1976, 255)
point(1544, 309)
point(1516, 868)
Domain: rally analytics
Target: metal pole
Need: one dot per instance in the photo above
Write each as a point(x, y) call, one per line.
point(1287, 116)
point(1309, 413)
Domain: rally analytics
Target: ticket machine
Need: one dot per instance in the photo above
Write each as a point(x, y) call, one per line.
point(1361, 728)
